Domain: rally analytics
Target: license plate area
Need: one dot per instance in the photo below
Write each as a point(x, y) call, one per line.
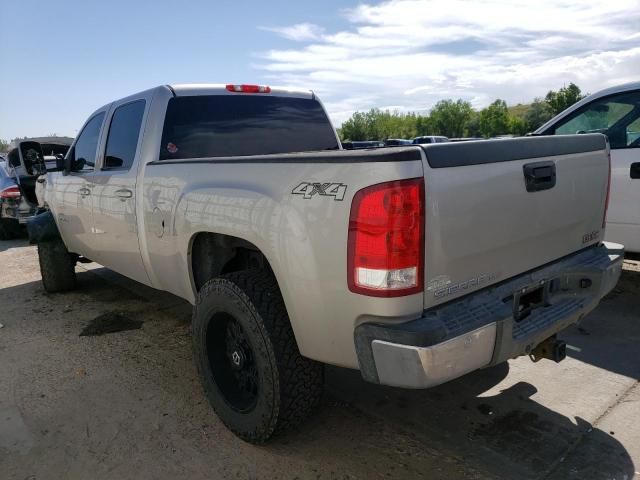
point(530, 299)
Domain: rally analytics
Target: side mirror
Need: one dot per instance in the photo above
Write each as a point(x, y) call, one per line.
point(113, 162)
point(60, 163)
point(67, 161)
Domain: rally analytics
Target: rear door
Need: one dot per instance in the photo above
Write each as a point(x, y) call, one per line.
point(114, 192)
point(617, 116)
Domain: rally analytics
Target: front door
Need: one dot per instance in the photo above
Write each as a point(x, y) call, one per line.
point(114, 193)
point(73, 192)
point(617, 116)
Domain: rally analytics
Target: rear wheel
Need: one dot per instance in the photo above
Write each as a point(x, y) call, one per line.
point(57, 266)
point(247, 357)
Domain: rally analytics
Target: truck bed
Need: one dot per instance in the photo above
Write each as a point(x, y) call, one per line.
point(482, 225)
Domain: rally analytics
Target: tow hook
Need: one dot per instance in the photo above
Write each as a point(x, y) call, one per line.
point(551, 348)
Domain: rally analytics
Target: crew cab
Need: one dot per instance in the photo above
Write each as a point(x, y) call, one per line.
point(614, 112)
point(414, 264)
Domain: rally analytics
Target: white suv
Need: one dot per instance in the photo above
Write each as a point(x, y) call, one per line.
point(615, 112)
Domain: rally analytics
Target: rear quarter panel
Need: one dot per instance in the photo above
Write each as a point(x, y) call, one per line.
point(304, 240)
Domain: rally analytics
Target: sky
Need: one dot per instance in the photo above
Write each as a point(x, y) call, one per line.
point(62, 60)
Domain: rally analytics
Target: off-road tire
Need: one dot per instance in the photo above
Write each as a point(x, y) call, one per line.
point(57, 266)
point(290, 386)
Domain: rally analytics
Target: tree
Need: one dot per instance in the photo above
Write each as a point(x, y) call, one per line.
point(4, 145)
point(472, 128)
point(517, 125)
point(423, 125)
point(456, 118)
point(379, 124)
point(449, 118)
point(563, 98)
point(354, 128)
point(537, 114)
point(494, 119)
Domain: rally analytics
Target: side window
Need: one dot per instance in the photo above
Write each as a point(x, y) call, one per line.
point(122, 140)
point(616, 116)
point(633, 133)
point(83, 154)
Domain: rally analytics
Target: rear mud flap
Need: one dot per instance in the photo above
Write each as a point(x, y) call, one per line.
point(42, 228)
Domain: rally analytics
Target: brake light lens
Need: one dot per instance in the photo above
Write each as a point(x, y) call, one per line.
point(606, 202)
point(10, 192)
point(386, 239)
point(249, 88)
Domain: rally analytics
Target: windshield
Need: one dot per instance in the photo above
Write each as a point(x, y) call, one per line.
point(230, 125)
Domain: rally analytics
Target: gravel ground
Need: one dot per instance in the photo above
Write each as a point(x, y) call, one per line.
point(100, 383)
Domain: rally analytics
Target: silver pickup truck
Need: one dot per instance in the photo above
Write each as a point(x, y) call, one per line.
point(415, 265)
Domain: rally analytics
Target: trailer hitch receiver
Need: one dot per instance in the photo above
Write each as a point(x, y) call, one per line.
point(551, 348)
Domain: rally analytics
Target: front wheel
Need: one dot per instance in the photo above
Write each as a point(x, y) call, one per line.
point(57, 266)
point(247, 357)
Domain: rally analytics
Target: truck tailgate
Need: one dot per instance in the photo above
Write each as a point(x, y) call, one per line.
point(485, 222)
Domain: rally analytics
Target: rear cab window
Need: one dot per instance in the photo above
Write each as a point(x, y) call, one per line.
point(239, 125)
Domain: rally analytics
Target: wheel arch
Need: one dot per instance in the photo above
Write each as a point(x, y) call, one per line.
point(212, 254)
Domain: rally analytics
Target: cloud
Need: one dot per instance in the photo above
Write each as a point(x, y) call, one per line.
point(300, 32)
point(412, 53)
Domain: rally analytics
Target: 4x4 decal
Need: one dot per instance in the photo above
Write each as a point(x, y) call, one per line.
point(308, 190)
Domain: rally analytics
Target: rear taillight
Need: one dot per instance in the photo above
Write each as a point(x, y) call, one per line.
point(249, 88)
point(10, 192)
point(386, 239)
point(606, 202)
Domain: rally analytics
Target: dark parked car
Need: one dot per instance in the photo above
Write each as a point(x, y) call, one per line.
point(362, 144)
point(26, 164)
point(9, 201)
point(424, 140)
point(395, 142)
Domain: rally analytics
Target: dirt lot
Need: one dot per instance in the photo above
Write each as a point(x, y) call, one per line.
point(99, 384)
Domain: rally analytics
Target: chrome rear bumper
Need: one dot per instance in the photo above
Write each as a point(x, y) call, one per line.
point(481, 329)
point(422, 367)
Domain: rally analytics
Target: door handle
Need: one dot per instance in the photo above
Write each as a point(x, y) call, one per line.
point(124, 193)
point(539, 176)
point(84, 192)
point(634, 171)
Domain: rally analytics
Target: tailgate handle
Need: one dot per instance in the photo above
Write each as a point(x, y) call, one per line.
point(539, 176)
point(634, 171)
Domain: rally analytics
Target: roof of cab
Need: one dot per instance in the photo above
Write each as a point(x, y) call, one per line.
point(625, 87)
point(190, 89)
